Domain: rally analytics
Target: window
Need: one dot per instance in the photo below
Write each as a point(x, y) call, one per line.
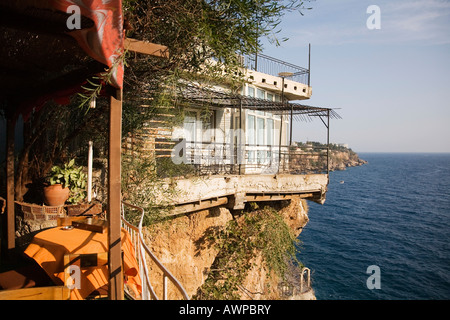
point(270, 131)
point(260, 94)
point(251, 130)
point(260, 130)
point(190, 126)
point(251, 92)
point(269, 96)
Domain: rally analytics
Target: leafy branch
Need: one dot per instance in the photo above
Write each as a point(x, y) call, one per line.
point(102, 79)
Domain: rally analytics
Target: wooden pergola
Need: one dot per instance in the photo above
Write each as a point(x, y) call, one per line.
point(42, 60)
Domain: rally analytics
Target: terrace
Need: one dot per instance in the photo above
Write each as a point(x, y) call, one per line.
point(43, 61)
point(233, 170)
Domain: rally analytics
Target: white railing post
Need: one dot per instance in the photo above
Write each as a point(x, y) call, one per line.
point(165, 287)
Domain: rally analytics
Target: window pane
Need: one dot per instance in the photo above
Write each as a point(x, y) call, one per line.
point(260, 130)
point(260, 93)
point(270, 131)
point(251, 130)
point(190, 127)
point(251, 92)
point(269, 96)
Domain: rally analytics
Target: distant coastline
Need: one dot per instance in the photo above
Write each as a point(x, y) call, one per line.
point(341, 156)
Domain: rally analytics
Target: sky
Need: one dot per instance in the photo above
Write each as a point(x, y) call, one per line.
point(390, 85)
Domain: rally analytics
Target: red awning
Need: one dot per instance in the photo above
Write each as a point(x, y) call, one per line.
point(43, 59)
point(104, 40)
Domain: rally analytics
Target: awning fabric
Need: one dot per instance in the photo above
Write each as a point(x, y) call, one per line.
point(104, 40)
point(43, 59)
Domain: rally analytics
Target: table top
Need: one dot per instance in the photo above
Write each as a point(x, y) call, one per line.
point(48, 248)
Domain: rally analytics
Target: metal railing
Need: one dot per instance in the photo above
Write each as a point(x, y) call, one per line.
point(142, 251)
point(208, 158)
point(297, 284)
point(273, 66)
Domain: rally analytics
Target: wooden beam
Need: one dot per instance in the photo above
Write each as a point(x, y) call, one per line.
point(10, 218)
point(114, 200)
point(144, 47)
point(197, 206)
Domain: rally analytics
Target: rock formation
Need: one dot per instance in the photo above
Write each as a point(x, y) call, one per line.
point(186, 247)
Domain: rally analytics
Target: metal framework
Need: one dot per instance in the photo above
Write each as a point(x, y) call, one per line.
point(300, 112)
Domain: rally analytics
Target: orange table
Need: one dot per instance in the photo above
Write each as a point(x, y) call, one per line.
point(49, 247)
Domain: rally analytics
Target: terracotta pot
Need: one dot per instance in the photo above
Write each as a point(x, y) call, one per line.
point(56, 195)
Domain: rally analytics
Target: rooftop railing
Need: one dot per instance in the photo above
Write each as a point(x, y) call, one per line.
point(274, 67)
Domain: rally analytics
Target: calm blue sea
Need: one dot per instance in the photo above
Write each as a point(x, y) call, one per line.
point(393, 212)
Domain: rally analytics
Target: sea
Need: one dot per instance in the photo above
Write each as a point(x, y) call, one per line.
point(383, 232)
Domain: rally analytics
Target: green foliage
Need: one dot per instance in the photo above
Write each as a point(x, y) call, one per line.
point(146, 183)
point(93, 89)
point(72, 177)
point(261, 231)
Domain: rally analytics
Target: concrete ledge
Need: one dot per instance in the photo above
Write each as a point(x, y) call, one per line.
point(243, 188)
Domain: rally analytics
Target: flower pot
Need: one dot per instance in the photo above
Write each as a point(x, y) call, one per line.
point(56, 195)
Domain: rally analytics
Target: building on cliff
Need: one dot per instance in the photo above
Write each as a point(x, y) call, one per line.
point(239, 143)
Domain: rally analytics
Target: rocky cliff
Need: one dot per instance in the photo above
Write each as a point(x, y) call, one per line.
point(311, 156)
point(341, 159)
point(192, 246)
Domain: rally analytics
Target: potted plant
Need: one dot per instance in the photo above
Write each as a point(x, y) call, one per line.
point(66, 183)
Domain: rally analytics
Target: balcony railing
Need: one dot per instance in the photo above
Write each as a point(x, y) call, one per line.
point(145, 257)
point(273, 66)
point(209, 158)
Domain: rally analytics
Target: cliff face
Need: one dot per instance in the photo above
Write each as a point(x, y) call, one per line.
point(339, 160)
point(185, 245)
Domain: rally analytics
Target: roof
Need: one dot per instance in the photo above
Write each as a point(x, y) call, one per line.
point(301, 112)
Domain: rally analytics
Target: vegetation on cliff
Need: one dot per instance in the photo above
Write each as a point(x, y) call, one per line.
point(262, 231)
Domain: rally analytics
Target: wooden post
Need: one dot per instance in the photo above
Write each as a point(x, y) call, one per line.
point(114, 199)
point(10, 218)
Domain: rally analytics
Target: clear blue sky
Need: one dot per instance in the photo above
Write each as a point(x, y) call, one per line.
point(392, 85)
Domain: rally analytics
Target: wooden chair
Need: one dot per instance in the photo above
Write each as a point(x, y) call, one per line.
point(60, 292)
point(37, 293)
point(30, 282)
